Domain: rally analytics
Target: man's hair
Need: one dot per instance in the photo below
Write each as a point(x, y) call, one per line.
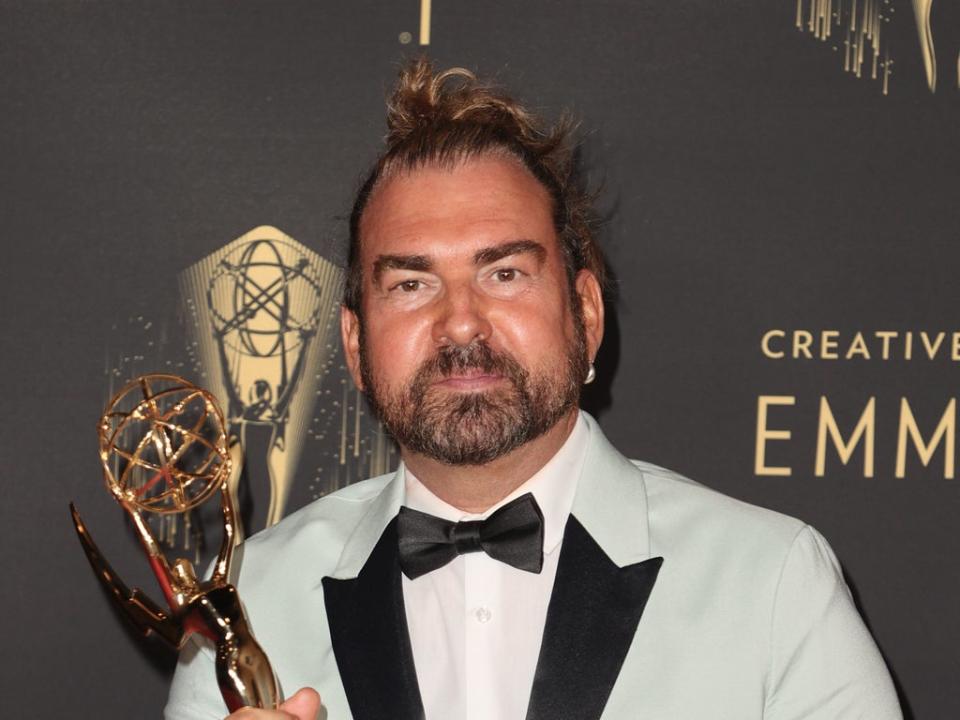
point(441, 119)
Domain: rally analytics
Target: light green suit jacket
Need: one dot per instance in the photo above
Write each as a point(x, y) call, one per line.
point(746, 616)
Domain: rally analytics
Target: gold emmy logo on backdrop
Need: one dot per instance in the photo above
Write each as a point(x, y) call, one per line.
point(263, 308)
point(860, 26)
point(164, 451)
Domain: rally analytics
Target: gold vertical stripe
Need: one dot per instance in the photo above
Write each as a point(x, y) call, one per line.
point(425, 22)
point(343, 427)
point(301, 300)
point(921, 9)
point(886, 72)
point(356, 425)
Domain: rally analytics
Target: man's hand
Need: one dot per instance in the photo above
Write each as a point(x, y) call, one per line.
point(304, 705)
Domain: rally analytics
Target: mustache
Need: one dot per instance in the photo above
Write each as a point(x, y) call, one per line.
point(478, 355)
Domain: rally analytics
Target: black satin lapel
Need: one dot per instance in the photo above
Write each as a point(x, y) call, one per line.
point(368, 628)
point(591, 620)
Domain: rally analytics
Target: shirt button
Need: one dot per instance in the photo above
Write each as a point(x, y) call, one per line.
point(483, 614)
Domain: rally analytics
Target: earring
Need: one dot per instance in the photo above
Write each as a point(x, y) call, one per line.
point(591, 375)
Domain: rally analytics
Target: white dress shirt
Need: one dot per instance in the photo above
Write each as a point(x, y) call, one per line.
point(476, 623)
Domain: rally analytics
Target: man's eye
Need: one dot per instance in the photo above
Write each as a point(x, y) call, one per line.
point(506, 275)
point(408, 286)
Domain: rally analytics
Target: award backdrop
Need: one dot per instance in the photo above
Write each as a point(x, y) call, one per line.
point(779, 207)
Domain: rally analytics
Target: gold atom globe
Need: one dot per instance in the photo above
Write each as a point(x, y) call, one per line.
point(163, 445)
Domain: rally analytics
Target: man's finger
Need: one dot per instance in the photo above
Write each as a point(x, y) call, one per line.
point(304, 704)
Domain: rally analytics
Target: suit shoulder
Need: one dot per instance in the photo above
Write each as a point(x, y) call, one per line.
point(686, 508)
point(339, 508)
point(317, 531)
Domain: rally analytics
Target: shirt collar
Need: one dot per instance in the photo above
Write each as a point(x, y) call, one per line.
point(554, 486)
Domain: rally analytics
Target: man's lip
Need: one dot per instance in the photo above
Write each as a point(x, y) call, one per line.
point(468, 380)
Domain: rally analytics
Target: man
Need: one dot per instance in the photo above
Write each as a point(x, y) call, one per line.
point(594, 586)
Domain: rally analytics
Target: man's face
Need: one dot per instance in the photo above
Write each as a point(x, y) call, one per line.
point(469, 345)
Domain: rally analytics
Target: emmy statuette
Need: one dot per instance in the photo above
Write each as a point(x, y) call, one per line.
point(164, 450)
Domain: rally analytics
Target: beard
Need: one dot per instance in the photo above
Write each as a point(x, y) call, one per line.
point(474, 428)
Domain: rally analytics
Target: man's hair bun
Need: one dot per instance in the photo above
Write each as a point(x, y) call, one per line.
point(424, 100)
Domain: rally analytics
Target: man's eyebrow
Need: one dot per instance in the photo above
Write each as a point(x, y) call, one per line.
point(498, 252)
point(383, 263)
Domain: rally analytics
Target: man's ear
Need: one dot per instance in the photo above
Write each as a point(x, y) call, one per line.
point(350, 336)
point(590, 297)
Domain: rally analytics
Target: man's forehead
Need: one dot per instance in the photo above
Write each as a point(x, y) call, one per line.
point(459, 211)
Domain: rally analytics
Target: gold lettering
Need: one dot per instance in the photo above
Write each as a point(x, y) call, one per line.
point(834, 344)
point(764, 434)
point(886, 336)
point(801, 344)
point(828, 344)
point(865, 429)
point(765, 344)
point(931, 349)
point(858, 347)
point(946, 431)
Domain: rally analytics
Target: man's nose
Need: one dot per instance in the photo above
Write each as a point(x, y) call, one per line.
point(462, 318)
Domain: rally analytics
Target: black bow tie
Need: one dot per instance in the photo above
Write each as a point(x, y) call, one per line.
point(513, 534)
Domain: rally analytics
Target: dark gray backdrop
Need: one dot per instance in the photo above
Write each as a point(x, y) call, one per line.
point(750, 184)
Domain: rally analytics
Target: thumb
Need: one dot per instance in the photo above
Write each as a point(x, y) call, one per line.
point(304, 704)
